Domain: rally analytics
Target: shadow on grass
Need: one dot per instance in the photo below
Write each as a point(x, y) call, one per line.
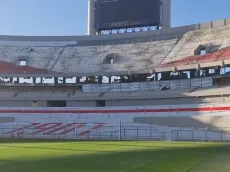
point(151, 159)
point(88, 142)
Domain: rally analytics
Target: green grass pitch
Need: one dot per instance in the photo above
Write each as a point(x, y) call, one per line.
point(69, 156)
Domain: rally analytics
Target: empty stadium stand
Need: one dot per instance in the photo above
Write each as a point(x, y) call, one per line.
point(205, 122)
point(82, 59)
point(152, 85)
point(122, 53)
point(212, 39)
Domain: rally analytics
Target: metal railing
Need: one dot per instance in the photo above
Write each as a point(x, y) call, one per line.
point(147, 86)
point(120, 133)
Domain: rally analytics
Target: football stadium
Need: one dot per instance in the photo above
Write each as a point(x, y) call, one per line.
point(134, 95)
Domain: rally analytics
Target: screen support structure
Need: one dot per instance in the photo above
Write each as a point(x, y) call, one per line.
point(166, 14)
point(91, 18)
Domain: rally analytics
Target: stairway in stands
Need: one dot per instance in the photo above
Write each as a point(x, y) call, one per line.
point(54, 129)
point(19, 129)
point(64, 130)
point(88, 129)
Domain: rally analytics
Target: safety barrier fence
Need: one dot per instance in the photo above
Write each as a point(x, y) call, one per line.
point(100, 132)
point(146, 86)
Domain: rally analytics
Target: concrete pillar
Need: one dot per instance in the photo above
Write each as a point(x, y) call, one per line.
point(78, 79)
point(91, 79)
point(130, 78)
point(181, 73)
point(34, 80)
point(217, 71)
point(184, 75)
point(166, 16)
point(55, 80)
point(110, 79)
point(122, 79)
point(165, 76)
point(64, 80)
point(156, 77)
point(17, 80)
point(193, 73)
point(100, 79)
point(91, 17)
point(11, 80)
point(206, 72)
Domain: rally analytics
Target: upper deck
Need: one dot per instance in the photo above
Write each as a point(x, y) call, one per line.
point(120, 54)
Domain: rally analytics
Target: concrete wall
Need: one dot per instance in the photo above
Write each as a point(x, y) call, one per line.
point(122, 103)
point(193, 121)
point(80, 103)
point(7, 119)
point(206, 25)
point(151, 102)
point(168, 101)
point(20, 103)
point(213, 24)
point(219, 23)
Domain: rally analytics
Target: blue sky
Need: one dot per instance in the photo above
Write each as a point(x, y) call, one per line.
point(69, 17)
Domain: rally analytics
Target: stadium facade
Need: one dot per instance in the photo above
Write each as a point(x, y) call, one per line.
point(169, 84)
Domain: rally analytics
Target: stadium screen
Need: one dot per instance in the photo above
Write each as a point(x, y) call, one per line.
point(118, 14)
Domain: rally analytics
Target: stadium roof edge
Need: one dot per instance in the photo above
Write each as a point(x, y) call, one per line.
point(158, 33)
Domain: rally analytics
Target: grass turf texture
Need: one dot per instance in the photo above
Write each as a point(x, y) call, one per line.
point(67, 156)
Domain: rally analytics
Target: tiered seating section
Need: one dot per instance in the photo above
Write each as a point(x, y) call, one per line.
point(131, 122)
point(50, 129)
point(71, 57)
point(82, 59)
point(124, 95)
point(106, 91)
point(219, 55)
point(216, 38)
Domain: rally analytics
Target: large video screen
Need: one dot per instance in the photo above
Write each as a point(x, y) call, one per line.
point(117, 14)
